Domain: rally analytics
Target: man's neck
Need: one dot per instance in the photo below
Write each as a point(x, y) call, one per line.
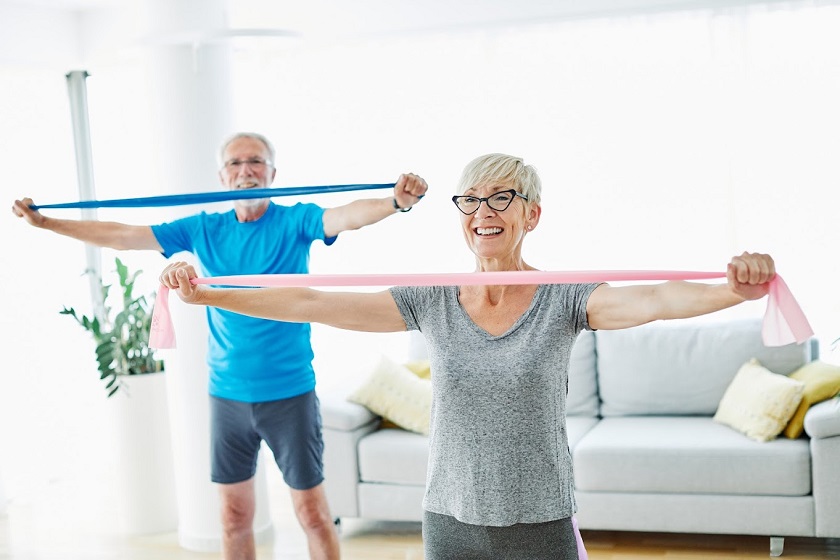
point(248, 213)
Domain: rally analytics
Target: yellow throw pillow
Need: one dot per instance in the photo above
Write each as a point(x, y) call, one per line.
point(822, 381)
point(420, 368)
point(398, 395)
point(759, 403)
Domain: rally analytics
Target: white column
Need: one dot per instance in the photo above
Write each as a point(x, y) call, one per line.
point(2, 498)
point(188, 87)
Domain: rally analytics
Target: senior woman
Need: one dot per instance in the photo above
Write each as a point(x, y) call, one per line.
point(500, 481)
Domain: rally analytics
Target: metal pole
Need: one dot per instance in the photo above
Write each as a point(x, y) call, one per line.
point(77, 89)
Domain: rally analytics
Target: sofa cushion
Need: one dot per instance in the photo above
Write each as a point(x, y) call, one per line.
point(583, 399)
point(822, 381)
point(681, 367)
point(420, 368)
point(577, 427)
point(394, 456)
point(688, 455)
point(759, 403)
point(400, 457)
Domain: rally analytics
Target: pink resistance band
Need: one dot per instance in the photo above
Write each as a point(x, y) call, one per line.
point(784, 321)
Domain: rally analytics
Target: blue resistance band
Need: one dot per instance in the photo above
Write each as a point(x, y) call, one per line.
point(198, 198)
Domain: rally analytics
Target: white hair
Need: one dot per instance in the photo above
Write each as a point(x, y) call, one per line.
point(502, 169)
point(252, 135)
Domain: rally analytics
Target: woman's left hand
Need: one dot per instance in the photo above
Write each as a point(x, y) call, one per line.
point(749, 274)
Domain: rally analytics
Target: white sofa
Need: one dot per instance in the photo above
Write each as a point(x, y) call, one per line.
point(647, 454)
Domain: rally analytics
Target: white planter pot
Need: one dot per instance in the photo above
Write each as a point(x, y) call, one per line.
point(145, 471)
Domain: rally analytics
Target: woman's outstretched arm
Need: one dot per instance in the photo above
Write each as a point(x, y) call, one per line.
point(369, 312)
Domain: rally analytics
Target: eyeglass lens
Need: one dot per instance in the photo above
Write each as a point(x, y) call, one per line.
point(255, 163)
point(498, 202)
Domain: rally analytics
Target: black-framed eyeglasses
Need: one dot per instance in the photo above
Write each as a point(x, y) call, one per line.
point(497, 201)
point(254, 163)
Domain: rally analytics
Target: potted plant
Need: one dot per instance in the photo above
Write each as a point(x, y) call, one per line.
point(122, 339)
point(145, 478)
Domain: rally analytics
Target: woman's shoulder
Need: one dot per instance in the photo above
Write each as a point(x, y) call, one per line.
point(424, 292)
point(568, 292)
point(566, 287)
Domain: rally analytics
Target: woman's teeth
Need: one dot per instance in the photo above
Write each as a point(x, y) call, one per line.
point(488, 230)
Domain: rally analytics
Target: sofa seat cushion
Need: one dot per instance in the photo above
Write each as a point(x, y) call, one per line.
point(688, 455)
point(577, 427)
point(396, 456)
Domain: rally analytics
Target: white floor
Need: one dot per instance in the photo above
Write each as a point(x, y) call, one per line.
point(72, 521)
point(69, 521)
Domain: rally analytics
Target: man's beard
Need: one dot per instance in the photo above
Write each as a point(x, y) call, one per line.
point(250, 203)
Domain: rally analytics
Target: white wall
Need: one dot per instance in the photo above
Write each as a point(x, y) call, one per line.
point(669, 141)
point(35, 35)
point(664, 141)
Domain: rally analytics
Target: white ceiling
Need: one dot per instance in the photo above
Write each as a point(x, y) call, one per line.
point(65, 5)
point(380, 15)
point(72, 31)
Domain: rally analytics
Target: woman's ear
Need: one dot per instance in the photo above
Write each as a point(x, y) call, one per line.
point(532, 216)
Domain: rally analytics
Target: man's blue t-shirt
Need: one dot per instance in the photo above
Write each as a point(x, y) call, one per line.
point(252, 360)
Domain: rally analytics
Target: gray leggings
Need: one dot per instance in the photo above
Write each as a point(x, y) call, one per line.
point(446, 538)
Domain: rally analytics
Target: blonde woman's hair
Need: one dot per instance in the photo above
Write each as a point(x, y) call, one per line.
point(502, 169)
point(254, 136)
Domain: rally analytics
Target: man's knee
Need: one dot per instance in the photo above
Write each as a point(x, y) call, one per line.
point(236, 516)
point(238, 505)
point(312, 509)
point(313, 516)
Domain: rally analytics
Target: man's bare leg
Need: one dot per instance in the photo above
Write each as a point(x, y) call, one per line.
point(313, 514)
point(238, 510)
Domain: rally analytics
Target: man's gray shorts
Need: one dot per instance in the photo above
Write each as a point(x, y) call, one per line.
point(291, 428)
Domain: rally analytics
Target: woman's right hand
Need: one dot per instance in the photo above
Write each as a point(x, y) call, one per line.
point(177, 276)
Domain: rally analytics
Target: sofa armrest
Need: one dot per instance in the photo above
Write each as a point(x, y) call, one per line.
point(823, 419)
point(337, 413)
point(822, 423)
point(344, 424)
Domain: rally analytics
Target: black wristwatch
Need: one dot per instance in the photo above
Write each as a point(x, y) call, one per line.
point(397, 206)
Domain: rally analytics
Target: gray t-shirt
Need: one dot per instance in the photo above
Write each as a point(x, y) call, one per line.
point(499, 453)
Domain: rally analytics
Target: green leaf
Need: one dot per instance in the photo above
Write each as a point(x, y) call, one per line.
point(122, 338)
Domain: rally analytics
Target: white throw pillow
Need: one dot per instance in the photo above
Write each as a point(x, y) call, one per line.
point(397, 394)
point(758, 402)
